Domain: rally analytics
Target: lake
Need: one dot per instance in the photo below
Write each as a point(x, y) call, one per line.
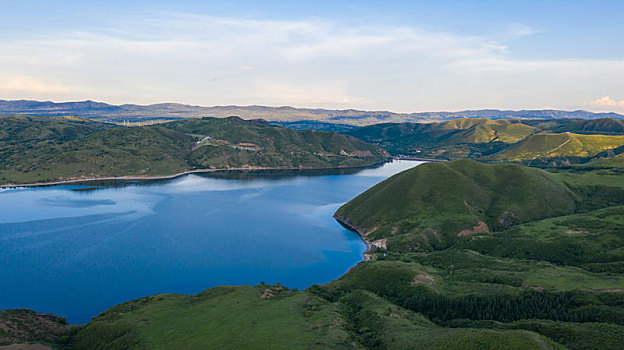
point(76, 250)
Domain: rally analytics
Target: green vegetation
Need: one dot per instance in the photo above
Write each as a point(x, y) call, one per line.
point(533, 142)
point(496, 247)
point(45, 149)
point(457, 138)
point(432, 205)
point(29, 327)
point(262, 317)
point(464, 255)
point(566, 145)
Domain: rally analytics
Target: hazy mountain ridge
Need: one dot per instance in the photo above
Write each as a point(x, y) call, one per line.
point(132, 112)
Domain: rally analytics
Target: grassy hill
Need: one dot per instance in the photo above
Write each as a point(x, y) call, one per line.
point(452, 139)
point(507, 140)
point(263, 317)
point(547, 146)
point(503, 246)
point(606, 126)
point(272, 317)
point(431, 205)
point(44, 149)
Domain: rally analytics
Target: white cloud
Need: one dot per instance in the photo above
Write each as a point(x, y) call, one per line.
point(607, 101)
point(210, 60)
point(26, 84)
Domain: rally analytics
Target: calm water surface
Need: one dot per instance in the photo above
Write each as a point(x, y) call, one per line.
point(76, 250)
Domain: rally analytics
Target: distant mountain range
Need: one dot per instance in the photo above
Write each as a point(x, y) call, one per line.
point(173, 111)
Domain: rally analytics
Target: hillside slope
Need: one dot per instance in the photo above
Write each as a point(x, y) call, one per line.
point(45, 149)
point(431, 205)
point(496, 247)
point(482, 138)
point(452, 139)
point(566, 145)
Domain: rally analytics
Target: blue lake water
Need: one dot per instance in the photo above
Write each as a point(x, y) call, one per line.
point(76, 250)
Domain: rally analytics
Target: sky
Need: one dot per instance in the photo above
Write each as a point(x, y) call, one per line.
point(402, 56)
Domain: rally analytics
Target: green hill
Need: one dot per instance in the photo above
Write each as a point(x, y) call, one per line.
point(431, 205)
point(559, 146)
point(452, 139)
point(45, 149)
point(481, 138)
point(272, 317)
point(606, 126)
point(502, 246)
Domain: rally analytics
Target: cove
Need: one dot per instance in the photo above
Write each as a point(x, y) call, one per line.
point(76, 250)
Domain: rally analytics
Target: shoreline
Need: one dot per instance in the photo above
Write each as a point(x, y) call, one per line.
point(421, 159)
point(187, 172)
point(366, 255)
point(369, 246)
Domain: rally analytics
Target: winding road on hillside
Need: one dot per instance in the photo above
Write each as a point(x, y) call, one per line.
point(552, 150)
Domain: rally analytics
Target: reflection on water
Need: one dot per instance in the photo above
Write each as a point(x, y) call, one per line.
point(77, 249)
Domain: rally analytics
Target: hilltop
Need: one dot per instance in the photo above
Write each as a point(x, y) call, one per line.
point(46, 149)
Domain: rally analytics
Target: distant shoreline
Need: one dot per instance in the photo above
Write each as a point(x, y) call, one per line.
point(421, 159)
point(173, 176)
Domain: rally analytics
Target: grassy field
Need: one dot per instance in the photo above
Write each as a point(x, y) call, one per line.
point(262, 317)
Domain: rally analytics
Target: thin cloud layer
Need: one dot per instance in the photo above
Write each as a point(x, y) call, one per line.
point(210, 60)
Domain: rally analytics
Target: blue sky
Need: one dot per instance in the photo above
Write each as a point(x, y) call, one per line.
point(402, 56)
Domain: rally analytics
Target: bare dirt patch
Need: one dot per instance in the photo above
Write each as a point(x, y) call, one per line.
point(610, 290)
point(423, 278)
point(537, 288)
point(272, 291)
point(576, 232)
point(481, 227)
point(381, 243)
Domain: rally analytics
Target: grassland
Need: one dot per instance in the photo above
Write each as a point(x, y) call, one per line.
point(563, 145)
point(457, 138)
point(533, 142)
point(547, 258)
point(46, 149)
